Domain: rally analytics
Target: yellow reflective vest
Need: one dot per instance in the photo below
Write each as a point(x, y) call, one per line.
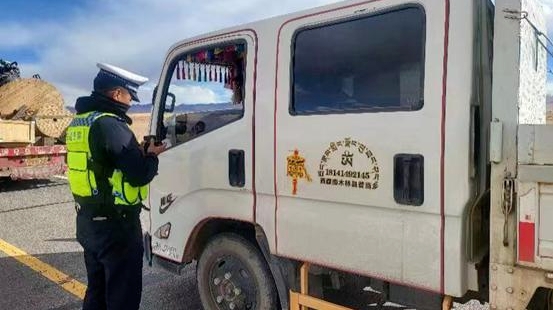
point(82, 179)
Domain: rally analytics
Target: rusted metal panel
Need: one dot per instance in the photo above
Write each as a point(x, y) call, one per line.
point(37, 172)
point(33, 162)
point(33, 150)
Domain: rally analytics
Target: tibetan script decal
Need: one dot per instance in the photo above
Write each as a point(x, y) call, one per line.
point(349, 163)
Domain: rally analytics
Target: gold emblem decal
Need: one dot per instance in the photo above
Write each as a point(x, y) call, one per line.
point(296, 170)
point(349, 163)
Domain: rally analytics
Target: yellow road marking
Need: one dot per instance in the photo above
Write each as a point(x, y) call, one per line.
point(66, 282)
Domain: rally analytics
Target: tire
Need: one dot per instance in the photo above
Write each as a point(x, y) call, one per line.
point(232, 274)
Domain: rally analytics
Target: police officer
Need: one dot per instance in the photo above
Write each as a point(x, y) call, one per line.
point(108, 174)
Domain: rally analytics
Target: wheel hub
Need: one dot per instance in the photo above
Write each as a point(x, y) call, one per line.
point(232, 287)
point(228, 289)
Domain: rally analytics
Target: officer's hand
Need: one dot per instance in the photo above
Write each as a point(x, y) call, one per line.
point(157, 149)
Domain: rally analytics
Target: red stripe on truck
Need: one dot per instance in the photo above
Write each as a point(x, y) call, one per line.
point(442, 148)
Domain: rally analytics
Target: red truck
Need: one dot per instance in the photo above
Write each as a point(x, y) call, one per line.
point(33, 120)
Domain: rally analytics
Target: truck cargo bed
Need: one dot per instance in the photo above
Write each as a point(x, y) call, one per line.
point(16, 133)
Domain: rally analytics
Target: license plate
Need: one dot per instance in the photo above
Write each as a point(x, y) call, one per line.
point(34, 161)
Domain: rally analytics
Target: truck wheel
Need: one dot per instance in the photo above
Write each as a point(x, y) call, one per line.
point(232, 275)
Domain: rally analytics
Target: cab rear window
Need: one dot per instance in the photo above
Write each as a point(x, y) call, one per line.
point(369, 64)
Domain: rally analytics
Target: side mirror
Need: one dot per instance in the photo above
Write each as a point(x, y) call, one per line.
point(171, 107)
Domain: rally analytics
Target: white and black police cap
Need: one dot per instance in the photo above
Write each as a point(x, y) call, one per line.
point(111, 77)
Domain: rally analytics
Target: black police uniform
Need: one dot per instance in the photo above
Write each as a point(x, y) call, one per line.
point(112, 235)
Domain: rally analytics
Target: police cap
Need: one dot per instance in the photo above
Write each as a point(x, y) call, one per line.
point(111, 77)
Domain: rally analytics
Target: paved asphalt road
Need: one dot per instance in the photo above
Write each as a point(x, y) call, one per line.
point(39, 218)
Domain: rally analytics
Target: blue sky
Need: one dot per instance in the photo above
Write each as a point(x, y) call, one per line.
point(24, 15)
point(62, 40)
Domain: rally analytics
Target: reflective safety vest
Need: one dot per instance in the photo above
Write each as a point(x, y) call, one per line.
point(82, 178)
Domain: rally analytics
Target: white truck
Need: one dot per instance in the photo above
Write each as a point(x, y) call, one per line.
point(360, 147)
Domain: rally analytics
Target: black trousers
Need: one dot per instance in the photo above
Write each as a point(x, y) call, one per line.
point(113, 253)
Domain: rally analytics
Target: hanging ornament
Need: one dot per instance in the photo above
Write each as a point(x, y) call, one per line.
point(183, 70)
point(199, 73)
point(218, 53)
point(210, 73)
point(228, 84)
point(220, 75)
point(178, 71)
point(200, 56)
point(227, 75)
point(205, 73)
point(194, 76)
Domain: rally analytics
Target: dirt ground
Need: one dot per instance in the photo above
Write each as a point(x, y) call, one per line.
point(140, 125)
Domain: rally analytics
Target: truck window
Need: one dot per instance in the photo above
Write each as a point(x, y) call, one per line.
point(208, 86)
point(369, 64)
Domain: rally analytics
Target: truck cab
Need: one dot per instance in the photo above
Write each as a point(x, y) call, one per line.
point(363, 138)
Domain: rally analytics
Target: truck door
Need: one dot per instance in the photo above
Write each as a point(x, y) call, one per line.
point(203, 111)
point(358, 140)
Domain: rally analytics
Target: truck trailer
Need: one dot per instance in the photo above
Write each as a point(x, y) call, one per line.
point(32, 123)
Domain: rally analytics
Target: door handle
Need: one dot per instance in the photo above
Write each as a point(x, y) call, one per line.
point(409, 179)
point(236, 168)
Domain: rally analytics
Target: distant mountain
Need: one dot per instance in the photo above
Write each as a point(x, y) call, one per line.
point(140, 108)
point(181, 108)
point(185, 108)
point(205, 107)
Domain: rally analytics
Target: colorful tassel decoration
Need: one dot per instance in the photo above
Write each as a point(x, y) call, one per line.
point(199, 73)
point(178, 71)
point(183, 71)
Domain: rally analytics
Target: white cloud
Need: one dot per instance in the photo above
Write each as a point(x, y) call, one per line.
point(15, 35)
point(134, 34)
point(193, 94)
